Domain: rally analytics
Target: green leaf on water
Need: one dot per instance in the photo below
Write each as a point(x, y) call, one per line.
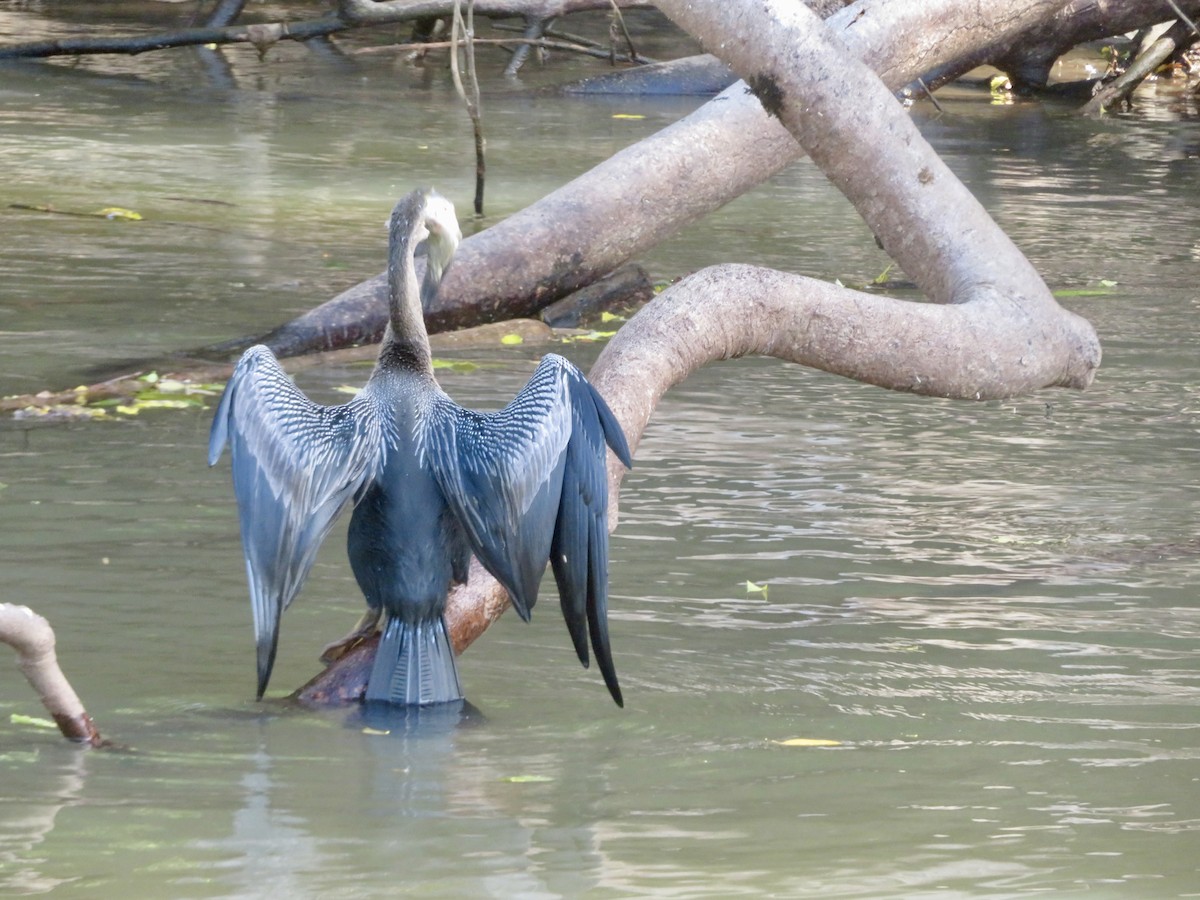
point(32, 721)
point(752, 588)
point(527, 779)
point(348, 389)
point(588, 336)
point(510, 339)
point(117, 212)
point(607, 316)
point(455, 365)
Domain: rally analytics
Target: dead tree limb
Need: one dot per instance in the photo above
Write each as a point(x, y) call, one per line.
point(351, 14)
point(648, 191)
point(1028, 56)
point(535, 31)
point(1178, 37)
point(462, 33)
point(262, 36)
point(33, 639)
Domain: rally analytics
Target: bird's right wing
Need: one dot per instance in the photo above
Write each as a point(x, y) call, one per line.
point(529, 484)
point(296, 464)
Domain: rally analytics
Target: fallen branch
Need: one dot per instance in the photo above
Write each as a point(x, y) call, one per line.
point(33, 639)
point(1177, 38)
point(262, 36)
point(351, 14)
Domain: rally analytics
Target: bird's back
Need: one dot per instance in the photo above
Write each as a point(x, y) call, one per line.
point(405, 546)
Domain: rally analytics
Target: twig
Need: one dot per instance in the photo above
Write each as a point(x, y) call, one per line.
point(618, 19)
point(467, 33)
point(1184, 16)
point(1178, 36)
point(535, 28)
point(548, 43)
point(929, 94)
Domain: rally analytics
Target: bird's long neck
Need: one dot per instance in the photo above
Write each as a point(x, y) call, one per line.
point(406, 343)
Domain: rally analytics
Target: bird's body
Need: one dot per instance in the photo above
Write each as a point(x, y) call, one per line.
point(431, 483)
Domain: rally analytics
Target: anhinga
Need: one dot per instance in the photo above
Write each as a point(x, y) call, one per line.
point(430, 482)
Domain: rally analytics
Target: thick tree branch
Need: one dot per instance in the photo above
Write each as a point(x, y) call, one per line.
point(1028, 56)
point(648, 191)
point(33, 639)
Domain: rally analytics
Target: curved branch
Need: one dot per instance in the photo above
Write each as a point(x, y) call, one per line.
point(648, 191)
point(262, 36)
point(33, 639)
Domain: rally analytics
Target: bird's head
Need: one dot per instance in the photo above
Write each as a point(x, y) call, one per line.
point(442, 234)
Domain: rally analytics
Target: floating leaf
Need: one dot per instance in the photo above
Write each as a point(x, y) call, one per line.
point(752, 588)
point(1106, 282)
point(379, 731)
point(347, 389)
point(1083, 292)
point(588, 336)
point(149, 378)
point(527, 779)
point(607, 316)
point(455, 365)
point(627, 116)
point(512, 339)
point(32, 721)
point(808, 742)
point(116, 212)
point(882, 277)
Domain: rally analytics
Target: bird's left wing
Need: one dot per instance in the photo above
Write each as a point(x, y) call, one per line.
point(296, 464)
point(529, 484)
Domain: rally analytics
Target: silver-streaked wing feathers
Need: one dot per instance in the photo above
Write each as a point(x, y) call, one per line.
point(529, 484)
point(296, 464)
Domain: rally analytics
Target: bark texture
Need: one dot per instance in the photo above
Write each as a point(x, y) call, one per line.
point(33, 639)
point(645, 193)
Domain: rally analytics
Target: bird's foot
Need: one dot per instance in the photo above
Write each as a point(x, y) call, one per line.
point(366, 627)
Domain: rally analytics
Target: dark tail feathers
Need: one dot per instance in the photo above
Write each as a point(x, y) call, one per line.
point(414, 665)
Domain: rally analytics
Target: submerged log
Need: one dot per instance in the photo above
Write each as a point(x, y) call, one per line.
point(626, 288)
point(699, 75)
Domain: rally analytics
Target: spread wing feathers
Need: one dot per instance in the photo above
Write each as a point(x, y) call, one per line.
point(296, 464)
point(529, 484)
point(579, 552)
